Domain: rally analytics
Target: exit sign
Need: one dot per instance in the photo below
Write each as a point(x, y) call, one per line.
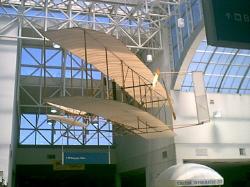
point(227, 22)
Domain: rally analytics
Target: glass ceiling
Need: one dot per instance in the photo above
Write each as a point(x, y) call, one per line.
point(226, 70)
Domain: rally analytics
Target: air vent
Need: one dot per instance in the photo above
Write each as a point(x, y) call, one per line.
point(242, 151)
point(211, 102)
point(164, 154)
point(201, 152)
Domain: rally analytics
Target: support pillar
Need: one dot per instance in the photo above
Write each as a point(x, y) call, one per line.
point(8, 125)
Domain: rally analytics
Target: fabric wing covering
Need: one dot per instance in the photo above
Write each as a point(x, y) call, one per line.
point(131, 118)
point(124, 67)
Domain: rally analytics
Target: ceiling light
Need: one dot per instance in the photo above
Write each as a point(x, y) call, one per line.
point(181, 23)
point(56, 46)
point(53, 110)
point(149, 58)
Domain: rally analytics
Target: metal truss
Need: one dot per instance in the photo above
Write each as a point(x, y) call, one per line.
point(49, 72)
point(136, 23)
point(36, 130)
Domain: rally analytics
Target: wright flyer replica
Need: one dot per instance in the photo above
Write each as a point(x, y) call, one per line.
point(136, 105)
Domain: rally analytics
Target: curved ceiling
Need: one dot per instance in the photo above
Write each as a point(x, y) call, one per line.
point(226, 70)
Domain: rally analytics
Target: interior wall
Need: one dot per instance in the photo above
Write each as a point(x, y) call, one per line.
point(219, 139)
point(135, 152)
point(8, 54)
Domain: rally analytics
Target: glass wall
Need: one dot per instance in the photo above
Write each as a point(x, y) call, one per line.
point(51, 72)
point(191, 12)
point(226, 70)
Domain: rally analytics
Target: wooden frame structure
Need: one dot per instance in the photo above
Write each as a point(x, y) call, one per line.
point(118, 64)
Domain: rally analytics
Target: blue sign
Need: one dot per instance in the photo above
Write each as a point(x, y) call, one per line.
point(85, 158)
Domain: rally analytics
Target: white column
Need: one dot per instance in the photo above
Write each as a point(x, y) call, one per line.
point(8, 54)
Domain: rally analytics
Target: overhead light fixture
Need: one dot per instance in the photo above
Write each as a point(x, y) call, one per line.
point(56, 46)
point(181, 23)
point(53, 110)
point(149, 58)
